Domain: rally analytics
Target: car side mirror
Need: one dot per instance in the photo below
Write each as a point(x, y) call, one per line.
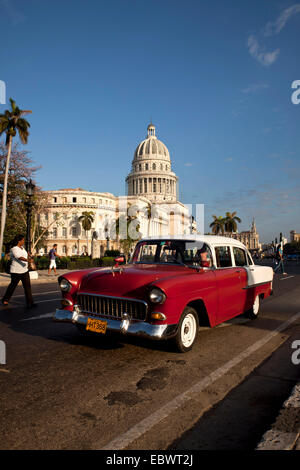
point(120, 259)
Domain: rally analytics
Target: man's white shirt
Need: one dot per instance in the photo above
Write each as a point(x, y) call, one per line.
point(18, 266)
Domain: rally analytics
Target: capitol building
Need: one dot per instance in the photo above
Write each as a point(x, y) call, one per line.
point(152, 198)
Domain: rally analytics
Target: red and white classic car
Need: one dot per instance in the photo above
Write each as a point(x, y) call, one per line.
point(169, 288)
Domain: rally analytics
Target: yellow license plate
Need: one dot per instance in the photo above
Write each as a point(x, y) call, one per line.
point(98, 326)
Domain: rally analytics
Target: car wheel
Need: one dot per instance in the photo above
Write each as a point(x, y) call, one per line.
point(254, 311)
point(187, 330)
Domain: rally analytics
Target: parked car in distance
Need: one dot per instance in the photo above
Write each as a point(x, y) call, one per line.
point(293, 257)
point(168, 289)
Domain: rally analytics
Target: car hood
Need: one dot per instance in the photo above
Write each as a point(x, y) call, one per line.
point(128, 281)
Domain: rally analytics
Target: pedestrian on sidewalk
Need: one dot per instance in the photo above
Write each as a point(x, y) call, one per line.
point(19, 271)
point(279, 258)
point(52, 258)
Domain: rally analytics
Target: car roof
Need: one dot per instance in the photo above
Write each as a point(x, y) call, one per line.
point(209, 239)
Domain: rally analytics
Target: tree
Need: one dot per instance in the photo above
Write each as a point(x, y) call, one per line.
point(132, 230)
point(218, 225)
point(231, 221)
point(151, 213)
point(11, 122)
point(21, 170)
point(87, 219)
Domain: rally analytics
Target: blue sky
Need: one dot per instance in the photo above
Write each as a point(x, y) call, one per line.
point(215, 76)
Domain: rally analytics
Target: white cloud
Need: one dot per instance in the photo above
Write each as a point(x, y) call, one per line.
point(273, 28)
point(259, 52)
point(255, 87)
point(257, 49)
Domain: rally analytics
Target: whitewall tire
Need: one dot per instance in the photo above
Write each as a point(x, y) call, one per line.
point(254, 311)
point(187, 330)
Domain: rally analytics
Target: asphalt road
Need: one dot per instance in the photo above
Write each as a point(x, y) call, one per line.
point(61, 390)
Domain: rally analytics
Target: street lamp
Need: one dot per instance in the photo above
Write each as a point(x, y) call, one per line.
point(29, 204)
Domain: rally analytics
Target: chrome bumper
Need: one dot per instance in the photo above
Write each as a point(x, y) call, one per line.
point(125, 326)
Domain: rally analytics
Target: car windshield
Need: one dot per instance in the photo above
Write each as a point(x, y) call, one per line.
point(190, 253)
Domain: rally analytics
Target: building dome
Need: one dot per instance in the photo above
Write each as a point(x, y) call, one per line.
point(151, 146)
point(151, 175)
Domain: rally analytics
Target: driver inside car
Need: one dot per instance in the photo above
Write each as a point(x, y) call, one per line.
point(204, 257)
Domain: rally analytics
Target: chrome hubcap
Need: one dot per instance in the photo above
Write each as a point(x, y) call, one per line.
point(256, 305)
point(188, 330)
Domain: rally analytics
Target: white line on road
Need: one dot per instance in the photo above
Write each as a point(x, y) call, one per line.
point(45, 315)
point(284, 278)
point(37, 294)
point(124, 440)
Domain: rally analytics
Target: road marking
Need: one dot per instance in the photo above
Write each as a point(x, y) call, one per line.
point(45, 315)
point(124, 440)
point(284, 278)
point(36, 295)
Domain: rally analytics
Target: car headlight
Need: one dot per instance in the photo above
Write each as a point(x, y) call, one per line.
point(157, 296)
point(65, 285)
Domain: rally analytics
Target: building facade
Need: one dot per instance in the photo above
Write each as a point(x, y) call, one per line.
point(250, 238)
point(152, 199)
point(295, 237)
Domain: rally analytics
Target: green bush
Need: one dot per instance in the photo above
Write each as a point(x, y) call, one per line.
point(107, 261)
point(3, 264)
point(112, 253)
point(67, 262)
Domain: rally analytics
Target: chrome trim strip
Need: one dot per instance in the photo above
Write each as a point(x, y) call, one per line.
point(258, 284)
point(125, 326)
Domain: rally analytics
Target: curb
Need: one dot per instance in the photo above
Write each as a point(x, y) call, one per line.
point(43, 278)
point(285, 432)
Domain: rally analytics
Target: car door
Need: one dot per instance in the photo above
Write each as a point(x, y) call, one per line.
point(241, 260)
point(230, 279)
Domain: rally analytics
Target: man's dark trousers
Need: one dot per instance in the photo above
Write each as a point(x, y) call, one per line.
point(15, 279)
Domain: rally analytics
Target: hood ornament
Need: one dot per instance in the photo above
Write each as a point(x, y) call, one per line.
point(116, 270)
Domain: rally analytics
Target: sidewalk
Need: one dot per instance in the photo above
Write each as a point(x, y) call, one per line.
point(285, 432)
point(43, 277)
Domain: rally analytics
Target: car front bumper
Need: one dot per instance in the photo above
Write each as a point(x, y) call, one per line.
point(124, 326)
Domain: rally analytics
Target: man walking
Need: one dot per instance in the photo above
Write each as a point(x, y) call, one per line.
point(52, 257)
point(279, 258)
point(19, 272)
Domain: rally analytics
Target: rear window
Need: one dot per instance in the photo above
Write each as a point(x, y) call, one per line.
point(239, 256)
point(223, 256)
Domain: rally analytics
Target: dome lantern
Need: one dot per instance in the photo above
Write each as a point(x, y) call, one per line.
point(151, 131)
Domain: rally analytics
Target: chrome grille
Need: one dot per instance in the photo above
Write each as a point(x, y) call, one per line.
point(112, 307)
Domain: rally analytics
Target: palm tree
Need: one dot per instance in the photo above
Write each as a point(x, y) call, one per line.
point(218, 225)
point(151, 213)
point(87, 219)
point(231, 220)
point(127, 242)
point(10, 122)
